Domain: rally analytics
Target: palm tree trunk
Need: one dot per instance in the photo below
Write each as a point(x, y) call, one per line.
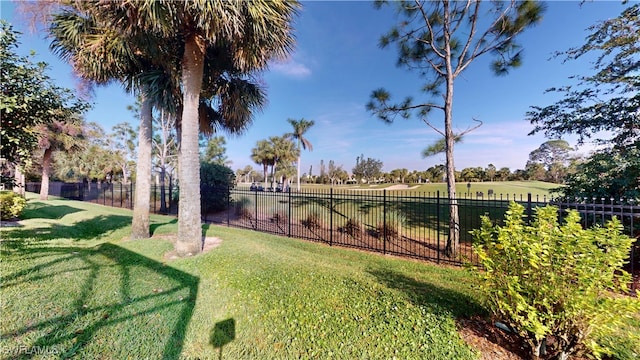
point(46, 168)
point(265, 168)
point(273, 174)
point(189, 224)
point(140, 223)
point(298, 187)
point(299, 156)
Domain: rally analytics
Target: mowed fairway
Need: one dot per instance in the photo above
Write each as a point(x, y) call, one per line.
point(519, 189)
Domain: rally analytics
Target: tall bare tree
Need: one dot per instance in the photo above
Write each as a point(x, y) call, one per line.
point(439, 40)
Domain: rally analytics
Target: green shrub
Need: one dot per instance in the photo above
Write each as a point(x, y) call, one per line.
point(559, 287)
point(11, 205)
point(391, 225)
point(216, 183)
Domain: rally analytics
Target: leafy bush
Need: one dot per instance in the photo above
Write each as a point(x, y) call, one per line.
point(556, 286)
point(354, 227)
point(313, 221)
point(11, 205)
point(216, 183)
point(391, 225)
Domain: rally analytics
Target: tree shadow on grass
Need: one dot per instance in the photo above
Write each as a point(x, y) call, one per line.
point(155, 225)
point(438, 299)
point(134, 304)
point(39, 210)
point(87, 229)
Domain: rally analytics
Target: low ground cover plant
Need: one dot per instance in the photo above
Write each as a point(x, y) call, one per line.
point(390, 225)
point(313, 221)
point(354, 227)
point(560, 287)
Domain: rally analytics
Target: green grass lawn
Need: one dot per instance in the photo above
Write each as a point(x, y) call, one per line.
point(519, 189)
point(73, 285)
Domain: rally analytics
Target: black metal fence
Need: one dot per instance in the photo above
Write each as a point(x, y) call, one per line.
point(403, 223)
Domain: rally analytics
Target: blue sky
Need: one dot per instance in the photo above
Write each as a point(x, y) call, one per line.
point(336, 65)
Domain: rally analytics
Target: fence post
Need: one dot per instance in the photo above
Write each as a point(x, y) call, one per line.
point(121, 194)
point(289, 216)
point(331, 217)
point(384, 221)
point(228, 203)
point(529, 210)
point(438, 224)
point(131, 195)
point(111, 187)
point(256, 208)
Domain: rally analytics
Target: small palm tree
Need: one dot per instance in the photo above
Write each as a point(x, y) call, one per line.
point(300, 127)
point(284, 153)
point(263, 155)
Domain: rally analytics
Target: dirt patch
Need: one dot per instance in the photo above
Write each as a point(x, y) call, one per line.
point(491, 342)
point(392, 187)
point(208, 243)
point(402, 187)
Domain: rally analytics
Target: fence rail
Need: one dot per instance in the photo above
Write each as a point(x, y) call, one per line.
point(403, 223)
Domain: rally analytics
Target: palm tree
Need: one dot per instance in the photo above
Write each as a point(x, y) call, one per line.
point(263, 155)
point(57, 135)
point(300, 127)
point(284, 153)
point(256, 31)
point(100, 55)
point(253, 32)
point(137, 59)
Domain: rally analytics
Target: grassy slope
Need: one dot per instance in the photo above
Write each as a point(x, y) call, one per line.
point(72, 284)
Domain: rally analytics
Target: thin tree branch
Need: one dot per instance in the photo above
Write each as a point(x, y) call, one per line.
point(425, 16)
point(472, 128)
point(472, 32)
point(459, 21)
point(433, 127)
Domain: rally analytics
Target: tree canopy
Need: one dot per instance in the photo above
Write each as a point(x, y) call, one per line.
point(606, 100)
point(29, 97)
point(368, 169)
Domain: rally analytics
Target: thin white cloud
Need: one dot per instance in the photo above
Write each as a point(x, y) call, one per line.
point(292, 68)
